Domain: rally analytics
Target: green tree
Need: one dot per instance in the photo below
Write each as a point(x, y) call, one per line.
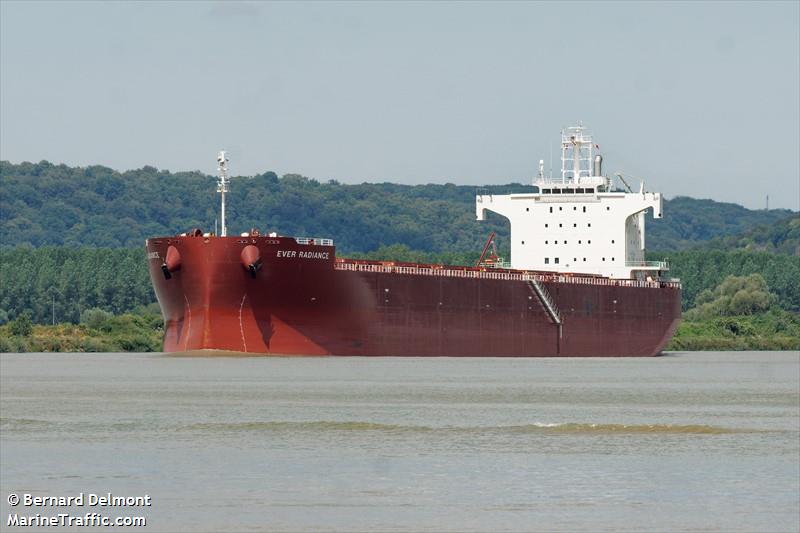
point(21, 326)
point(95, 318)
point(736, 295)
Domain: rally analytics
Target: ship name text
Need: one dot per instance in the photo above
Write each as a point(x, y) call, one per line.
point(301, 254)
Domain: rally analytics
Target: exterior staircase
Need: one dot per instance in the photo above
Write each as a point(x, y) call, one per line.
point(547, 303)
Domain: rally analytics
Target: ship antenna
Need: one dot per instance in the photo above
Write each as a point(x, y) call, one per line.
point(222, 186)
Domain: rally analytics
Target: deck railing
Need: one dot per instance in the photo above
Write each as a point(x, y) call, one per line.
point(475, 273)
point(660, 265)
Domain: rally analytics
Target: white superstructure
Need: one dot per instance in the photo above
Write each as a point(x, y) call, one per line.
point(578, 222)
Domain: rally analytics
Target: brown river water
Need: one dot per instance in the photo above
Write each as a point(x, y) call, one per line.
point(701, 441)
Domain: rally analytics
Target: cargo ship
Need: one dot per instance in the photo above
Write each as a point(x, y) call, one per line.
point(577, 283)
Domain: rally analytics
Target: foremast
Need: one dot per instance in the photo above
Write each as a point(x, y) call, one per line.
point(223, 186)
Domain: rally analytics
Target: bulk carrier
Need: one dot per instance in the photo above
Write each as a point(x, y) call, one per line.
point(577, 283)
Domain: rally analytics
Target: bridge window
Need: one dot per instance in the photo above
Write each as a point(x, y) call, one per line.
point(556, 191)
point(590, 191)
point(579, 191)
point(545, 191)
point(569, 191)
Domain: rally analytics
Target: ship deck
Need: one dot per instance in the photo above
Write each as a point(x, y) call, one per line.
point(451, 271)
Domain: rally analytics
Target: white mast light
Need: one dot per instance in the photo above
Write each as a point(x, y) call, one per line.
point(222, 186)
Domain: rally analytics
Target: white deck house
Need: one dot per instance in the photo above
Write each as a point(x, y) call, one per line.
point(576, 223)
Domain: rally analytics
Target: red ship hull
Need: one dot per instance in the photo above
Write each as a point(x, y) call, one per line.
point(277, 297)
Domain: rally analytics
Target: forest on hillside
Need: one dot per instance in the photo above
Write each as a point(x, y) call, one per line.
point(43, 204)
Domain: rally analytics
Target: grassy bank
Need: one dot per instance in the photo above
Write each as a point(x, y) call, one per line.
point(103, 332)
point(773, 330)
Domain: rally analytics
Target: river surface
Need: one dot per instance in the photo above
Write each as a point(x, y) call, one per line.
point(685, 442)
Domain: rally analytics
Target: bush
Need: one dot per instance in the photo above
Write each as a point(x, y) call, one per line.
point(21, 327)
point(95, 318)
point(91, 344)
point(735, 296)
point(138, 343)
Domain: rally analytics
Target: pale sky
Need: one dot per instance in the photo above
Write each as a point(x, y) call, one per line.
point(700, 99)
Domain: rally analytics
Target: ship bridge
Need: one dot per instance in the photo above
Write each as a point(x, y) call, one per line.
point(578, 222)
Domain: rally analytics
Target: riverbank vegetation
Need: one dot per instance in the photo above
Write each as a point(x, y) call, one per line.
point(98, 331)
point(739, 314)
